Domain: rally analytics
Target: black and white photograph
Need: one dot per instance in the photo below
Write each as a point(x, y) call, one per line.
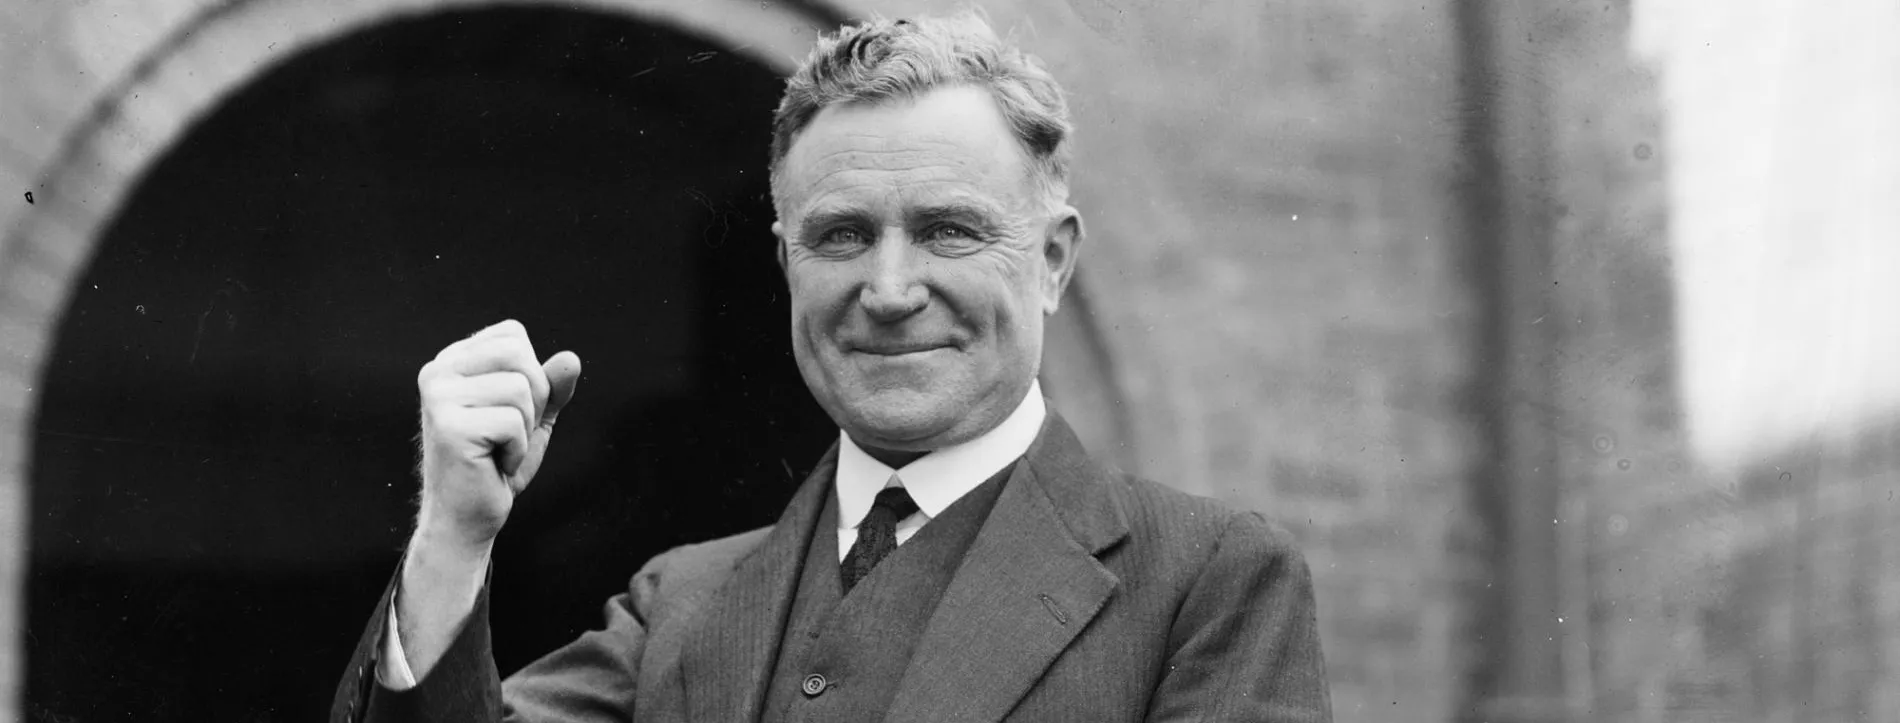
point(978, 361)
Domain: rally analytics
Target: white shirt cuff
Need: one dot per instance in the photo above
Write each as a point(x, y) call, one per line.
point(392, 671)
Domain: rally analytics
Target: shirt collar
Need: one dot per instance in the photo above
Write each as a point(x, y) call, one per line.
point(941, 477)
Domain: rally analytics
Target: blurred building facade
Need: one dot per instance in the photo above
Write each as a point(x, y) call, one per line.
point(1398, 275)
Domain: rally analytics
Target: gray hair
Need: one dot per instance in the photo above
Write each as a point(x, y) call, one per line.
point(881, 60)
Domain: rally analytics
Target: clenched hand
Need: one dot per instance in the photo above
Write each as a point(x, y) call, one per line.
point(488, 411)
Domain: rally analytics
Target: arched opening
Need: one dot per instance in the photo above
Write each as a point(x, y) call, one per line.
point(220, 465)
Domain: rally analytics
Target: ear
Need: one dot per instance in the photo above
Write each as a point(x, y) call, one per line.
point(778, 232)
point(1061, 246)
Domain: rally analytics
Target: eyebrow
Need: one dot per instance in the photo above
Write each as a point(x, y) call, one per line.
point(829, 215)
point(976, 212)
point(825, 218)
point(960, 210)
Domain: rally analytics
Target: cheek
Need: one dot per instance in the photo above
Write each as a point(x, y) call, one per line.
point(818, 291)
point(1019, 289)
point(1000, 300)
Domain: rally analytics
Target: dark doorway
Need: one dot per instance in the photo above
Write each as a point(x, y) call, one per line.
point(222, 471)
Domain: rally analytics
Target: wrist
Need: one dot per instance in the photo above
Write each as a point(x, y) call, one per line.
point(449, 532)
point(442, 580)
point(446, 549)
point(441, 577)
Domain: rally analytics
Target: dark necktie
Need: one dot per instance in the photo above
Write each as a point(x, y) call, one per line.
point(877, 534)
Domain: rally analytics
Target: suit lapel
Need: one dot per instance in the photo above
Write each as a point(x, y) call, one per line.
point(1027, 586)
point(729, 656)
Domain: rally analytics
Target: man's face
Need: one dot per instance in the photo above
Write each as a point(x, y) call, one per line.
point(922, 259)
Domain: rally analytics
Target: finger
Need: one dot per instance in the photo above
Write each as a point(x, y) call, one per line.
point(495, 389)
point(503, 328)
point(509, 354)
point(507, 328)
point(498, 354)
point(498, 428)
point(563, 372)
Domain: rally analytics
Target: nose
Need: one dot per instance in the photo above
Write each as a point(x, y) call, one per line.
point(895, 290)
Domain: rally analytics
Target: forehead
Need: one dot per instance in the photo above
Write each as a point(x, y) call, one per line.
point(948, 140)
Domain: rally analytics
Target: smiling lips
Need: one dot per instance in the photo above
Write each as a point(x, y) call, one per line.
point(898, 348)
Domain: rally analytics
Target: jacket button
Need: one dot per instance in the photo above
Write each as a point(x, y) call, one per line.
point(814, 685)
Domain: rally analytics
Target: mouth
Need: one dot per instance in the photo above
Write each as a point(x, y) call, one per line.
point(897, 349)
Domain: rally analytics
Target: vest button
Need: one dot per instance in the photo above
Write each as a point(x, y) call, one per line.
point(814, 685)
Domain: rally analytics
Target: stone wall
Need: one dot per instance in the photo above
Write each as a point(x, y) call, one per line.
point(1273, 253)
point(1759, 589)
point(1272, 259)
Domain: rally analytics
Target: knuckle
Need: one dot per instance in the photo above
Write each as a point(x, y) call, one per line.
point(512, 348)
point(532, 371)
point(523, 351)
point(434, 387)
point(519, 386)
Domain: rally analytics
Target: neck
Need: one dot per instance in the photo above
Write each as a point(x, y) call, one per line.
point(899, 458)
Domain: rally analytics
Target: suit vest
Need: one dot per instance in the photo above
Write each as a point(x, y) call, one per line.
point(842, 658)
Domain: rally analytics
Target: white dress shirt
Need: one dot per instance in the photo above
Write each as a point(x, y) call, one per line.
point(934, 481)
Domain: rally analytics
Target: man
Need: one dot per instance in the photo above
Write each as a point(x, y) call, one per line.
point(956, 556)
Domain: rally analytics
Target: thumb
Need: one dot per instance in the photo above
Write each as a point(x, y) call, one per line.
point(564, 372)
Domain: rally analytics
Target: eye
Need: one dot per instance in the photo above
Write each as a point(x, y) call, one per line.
point(843, 237)
point(949, 234)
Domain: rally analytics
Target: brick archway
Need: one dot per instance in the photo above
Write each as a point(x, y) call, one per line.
point(176, 61)
point(181, 61)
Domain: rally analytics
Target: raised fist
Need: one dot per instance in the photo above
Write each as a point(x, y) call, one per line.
point(488, 410)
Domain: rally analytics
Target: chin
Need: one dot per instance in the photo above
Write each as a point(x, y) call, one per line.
point(901, 420)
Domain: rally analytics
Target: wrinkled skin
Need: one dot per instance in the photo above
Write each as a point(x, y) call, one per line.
point(922, 258)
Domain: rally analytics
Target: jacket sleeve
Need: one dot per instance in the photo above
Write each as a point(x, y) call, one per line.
point(1245, 644)
point(590, 679)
